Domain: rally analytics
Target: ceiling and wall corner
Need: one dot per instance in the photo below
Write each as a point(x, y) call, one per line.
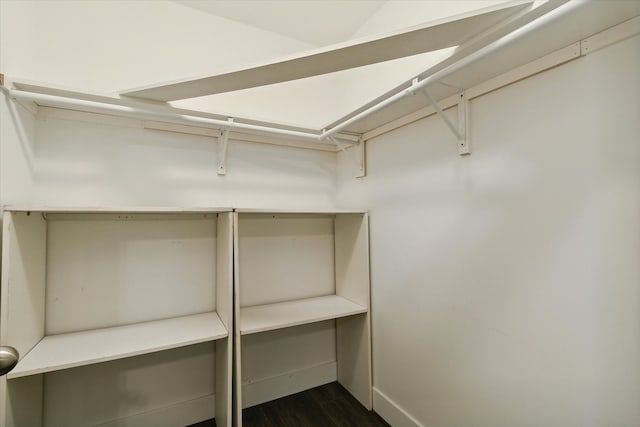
point(316, 22)
point(134, 43)
point(104, 46)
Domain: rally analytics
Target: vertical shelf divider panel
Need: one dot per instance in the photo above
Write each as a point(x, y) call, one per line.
point(224, 300)
point(24, 242)
point(237, 356)
point(352, 282)
point(23, 300)
point(342, 262)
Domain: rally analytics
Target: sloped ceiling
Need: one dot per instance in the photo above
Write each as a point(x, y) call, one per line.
point(317, 22)
point(316, 101)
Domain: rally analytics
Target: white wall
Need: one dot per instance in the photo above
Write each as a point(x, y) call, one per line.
point(506, 284)
point(71, 158)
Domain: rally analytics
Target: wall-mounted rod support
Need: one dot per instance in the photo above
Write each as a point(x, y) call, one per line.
point(359, 162)
point(361, 147)
point(464, 138)
point(461, 131)
point(442, 115)
point(223, 141)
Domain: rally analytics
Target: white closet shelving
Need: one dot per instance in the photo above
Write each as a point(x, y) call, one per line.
point(53, 353)
point(76, 288)
point(267, 317)
point(297, 268)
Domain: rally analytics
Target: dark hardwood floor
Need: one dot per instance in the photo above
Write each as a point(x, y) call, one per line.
point(329, 405)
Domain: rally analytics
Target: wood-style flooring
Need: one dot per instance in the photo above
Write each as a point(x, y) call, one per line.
point(329, 405)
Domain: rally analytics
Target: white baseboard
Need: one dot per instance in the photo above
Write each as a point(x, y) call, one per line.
point(392, 412)
point(180, 414)
point(268, 389)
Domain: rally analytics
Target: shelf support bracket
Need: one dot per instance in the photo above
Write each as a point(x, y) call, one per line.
point(223, 141)
point(357, 159)
point(461, 131)
point(361, 147)
point(464, 125)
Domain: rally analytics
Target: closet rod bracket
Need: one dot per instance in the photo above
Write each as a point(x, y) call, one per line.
point(357, 159)
point(362, 171)
point(223, 141)
point(464, 140)
point(461, 131)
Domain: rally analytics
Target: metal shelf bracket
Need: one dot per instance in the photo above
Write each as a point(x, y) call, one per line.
point(358, 159)
point(223, 141)
point(461, 131)
point(362, 165)
point(464, 140)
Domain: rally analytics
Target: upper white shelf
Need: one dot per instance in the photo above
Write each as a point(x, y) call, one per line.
point(428, 37)
point(301, 211)
point(267, 317)
point(55, 352)
point(115, 209)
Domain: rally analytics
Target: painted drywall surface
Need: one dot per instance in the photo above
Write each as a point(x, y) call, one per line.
point(141, 385)
point(107, 46)
point(397, 14)
point(284, 16)
point(71, 158)
point(506, 284)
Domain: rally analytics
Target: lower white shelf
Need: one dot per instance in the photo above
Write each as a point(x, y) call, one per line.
point(56, 352)
point(267, 317)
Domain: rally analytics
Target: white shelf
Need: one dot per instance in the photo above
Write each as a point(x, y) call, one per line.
point(116, 209)
point(293, 256)
point(267, 317)
point(70, 350)
point(301, 211)
point(428, 37)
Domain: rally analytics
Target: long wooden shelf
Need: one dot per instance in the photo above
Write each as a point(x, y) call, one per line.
point(56, 352)
point(267, 317)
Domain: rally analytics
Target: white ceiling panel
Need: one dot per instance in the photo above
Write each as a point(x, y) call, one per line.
point(318, 22)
